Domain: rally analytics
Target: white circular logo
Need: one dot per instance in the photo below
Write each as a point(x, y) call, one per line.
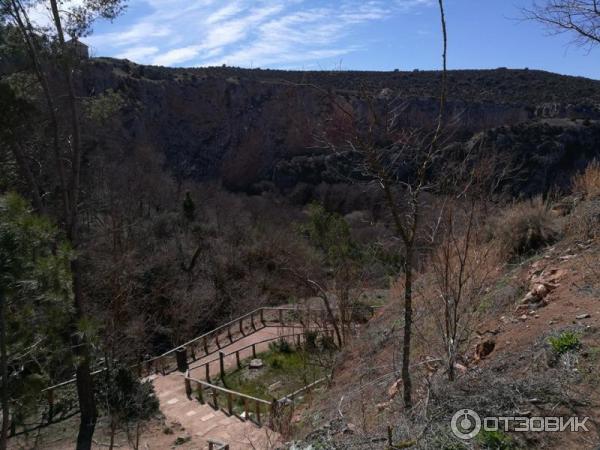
point(466, 424)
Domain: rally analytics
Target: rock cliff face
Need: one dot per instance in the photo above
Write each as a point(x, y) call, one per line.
point(244, 126)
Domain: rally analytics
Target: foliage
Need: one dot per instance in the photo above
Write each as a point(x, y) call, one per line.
point(281, 346)
point(495, 440)
point(565, 342)
point(125, 398)
point(104, 106)
point(293, 369)
point(35, 282)
point(330, 233)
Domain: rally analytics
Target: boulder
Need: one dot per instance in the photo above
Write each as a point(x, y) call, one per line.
point(256, 364)
point(540, 290)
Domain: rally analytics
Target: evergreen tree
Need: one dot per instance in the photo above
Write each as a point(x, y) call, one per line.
point(35, 299)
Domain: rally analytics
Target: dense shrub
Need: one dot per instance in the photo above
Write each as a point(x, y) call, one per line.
point(281, 346)
point(524, 228)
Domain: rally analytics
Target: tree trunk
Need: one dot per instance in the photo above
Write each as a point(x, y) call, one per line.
point(113, 429)
point(331, 315)
point(84, 380)
point(4, 373)
point(407, 329)
point(450, 369)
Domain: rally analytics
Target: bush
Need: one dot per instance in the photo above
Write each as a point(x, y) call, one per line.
point(328, 343)
point(310, 340)
point(277, 363)
point(524, 228)
point(281, 346)
point(495, 440)
point(587, 183)
point(564, 342)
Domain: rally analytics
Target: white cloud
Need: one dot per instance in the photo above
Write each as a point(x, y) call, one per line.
point(177, 55)
point(244, 32)
point(138, 53)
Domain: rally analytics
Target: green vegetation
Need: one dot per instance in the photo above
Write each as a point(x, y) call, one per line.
point(35, 298)
point(565, 342)
point(496, 440)
point(286, 369)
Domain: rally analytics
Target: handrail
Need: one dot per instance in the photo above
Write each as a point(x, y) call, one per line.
point(227, 391)
point(206, 335)
point(245, 329)
point(229, 324)
point(302, 389)
point(274, 338)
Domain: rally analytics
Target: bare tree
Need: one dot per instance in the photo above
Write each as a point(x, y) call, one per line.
point(578, 17)
point(461, 267)
point(400, 161)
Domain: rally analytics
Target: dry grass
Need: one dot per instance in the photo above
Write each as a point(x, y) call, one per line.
point(524, 228)
point(587, 183)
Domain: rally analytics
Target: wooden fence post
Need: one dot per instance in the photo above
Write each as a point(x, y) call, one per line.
point(229, 334)
point(205, 345)
point(252, 321)
point(242, 327)
point(188, 385)
point(254, 350)
point(181, 358)
point(257, 404)
point(215, 395)
point(246, 412)
point(222, 364)
point(207, 371)
point(230, 403)
point(200, 393)
point(237, 359)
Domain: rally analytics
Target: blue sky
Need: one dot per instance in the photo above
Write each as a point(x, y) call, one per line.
point(328, 34)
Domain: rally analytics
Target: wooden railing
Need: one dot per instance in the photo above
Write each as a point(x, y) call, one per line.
point(58, 397)
point(212, 342)
point(302, 390)
point(204, 368)
point(207, 393)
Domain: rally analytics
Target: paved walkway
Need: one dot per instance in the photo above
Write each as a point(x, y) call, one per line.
point(203, 421)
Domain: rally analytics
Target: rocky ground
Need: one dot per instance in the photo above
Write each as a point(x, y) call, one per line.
point(510, 368)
